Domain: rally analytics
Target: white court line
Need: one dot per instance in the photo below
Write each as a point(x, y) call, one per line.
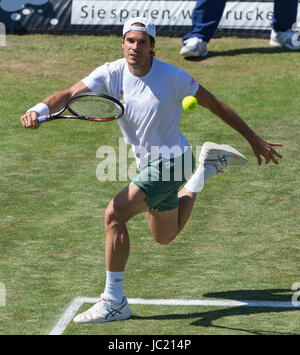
point(79, 301)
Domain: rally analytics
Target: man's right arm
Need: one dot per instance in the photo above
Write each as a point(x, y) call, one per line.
point(52, 104)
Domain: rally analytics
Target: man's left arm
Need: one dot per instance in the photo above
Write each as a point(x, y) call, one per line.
point(260, 146)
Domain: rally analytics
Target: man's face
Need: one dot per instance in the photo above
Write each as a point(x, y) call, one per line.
point(137, 47)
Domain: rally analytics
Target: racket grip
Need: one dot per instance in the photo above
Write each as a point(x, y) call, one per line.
point(42, 119)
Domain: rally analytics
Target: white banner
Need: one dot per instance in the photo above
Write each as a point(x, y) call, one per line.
point(165, 13)
point(237, 15)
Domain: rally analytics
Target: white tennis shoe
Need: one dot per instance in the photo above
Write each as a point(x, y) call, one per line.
point(220, 156)
point(289, 39)
point(194, 47)
point(104, 311)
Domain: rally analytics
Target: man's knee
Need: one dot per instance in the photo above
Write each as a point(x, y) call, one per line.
point(165, 238)
point(112, 214)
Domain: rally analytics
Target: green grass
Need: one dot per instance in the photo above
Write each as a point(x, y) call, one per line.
point(240, 243)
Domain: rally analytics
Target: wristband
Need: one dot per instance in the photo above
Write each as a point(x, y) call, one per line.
point(41, 108)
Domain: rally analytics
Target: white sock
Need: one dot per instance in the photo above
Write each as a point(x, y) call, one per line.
point(201, 175)
point(114, 286)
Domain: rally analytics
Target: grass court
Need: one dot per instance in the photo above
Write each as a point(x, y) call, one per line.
point(241, 242)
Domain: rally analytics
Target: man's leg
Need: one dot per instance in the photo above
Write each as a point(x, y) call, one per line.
point(128, 203)
point(166, 225)
point(112, 304)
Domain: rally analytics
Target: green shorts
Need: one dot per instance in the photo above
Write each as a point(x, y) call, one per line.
point(162, 178)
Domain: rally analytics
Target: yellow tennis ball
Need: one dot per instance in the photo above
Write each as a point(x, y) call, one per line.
point(189, 103)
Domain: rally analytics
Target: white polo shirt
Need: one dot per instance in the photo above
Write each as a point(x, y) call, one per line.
point(151, 122)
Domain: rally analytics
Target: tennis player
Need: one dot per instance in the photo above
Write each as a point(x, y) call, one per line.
point(152, 92)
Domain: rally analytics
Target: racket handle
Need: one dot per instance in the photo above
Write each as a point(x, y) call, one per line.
point(42, 119)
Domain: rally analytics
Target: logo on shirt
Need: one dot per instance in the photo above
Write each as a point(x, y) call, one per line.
point(121, 97)
point(192, 82)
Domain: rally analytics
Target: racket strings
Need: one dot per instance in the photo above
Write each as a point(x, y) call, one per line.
point(95, 107)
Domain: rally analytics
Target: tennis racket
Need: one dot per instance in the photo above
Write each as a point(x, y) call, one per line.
point(89, 106)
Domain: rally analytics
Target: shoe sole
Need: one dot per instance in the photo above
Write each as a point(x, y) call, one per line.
point(192, 55)
point(121, 317)
point(277, 44)
point(102, 320)
point(218, 148)
point(113, 320)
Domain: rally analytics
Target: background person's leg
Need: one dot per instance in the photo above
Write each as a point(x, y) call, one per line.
point(205, 19)
point(285, 14)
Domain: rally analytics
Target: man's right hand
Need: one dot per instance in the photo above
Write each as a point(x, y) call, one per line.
point(29, 120)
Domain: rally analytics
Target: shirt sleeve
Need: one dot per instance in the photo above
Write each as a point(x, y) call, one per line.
point(185, 85)
point(97, 80)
